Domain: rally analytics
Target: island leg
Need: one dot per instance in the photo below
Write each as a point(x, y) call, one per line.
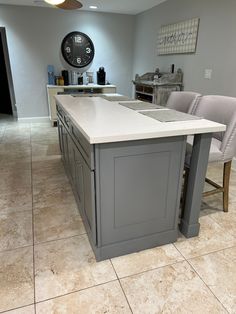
point(189, 225)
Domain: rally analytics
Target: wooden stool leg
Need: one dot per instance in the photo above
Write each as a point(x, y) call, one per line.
point(226, 177)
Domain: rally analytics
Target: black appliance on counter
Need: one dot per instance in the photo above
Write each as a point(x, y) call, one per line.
point(101, 76)
point(65, 75)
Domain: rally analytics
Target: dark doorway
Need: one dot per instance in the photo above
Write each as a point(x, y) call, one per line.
point(7, 98)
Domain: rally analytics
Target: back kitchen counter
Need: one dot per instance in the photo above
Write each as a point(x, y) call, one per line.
point(126, 168)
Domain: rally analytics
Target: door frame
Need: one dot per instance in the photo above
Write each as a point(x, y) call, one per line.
point(8, 70)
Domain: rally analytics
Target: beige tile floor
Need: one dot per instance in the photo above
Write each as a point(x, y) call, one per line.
point(47, 265)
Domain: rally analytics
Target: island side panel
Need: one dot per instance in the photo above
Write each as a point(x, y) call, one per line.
point(138, 186)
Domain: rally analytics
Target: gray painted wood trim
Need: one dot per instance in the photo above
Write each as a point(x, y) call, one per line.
point(189, 225)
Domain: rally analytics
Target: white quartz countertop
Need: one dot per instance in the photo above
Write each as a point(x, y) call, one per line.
point(81, 86)
point(103, 121)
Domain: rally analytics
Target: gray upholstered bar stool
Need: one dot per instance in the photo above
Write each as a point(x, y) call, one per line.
point(220, 109)
point(182, 101)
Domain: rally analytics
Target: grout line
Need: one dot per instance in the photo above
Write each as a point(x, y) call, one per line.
point(204, 254)
point(37, 244)
point(32, 198)
point(16, 248)
point(121, 287)
point(17, 308)
point(65, 238)
point(152, 269)
point(210, 253)
point(75, 291)
point(199, 274)
point(207, 285)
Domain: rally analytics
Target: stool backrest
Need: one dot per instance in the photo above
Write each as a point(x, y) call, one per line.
point(182, 101)
point(221, 109)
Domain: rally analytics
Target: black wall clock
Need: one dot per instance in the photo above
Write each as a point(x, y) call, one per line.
point(77, 49)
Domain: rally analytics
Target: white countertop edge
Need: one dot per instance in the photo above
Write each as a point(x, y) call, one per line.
point(187, 129)
point(81, 86)
point(142, 136)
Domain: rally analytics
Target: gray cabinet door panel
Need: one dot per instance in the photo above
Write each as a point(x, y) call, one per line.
point(139, 188)
point(85, 194)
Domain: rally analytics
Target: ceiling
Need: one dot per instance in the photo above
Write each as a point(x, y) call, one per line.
point(111, 6)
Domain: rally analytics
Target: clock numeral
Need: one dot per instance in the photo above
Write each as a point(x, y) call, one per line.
point(88, 50)
point(78, 39)
point(78, 60)
point(68, 50)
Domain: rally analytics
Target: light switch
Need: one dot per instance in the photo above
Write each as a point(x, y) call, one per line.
point(208, 74)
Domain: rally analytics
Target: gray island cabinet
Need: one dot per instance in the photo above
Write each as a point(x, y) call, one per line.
point(127, 191)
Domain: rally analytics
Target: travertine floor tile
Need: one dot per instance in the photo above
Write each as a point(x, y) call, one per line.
point(47, 196)
point(15, 181)
point(218, 270)
point(227, 221)
point(16, 137)
point(16, 277)
point(24, 310)
point(50, 185)
point(211, 238)
point(107, 298)
point(48, 163)
point(45, 149)
point(13, 165)
point(14, 152)
point(57, 222)
point(146, 260)
point(15, 230)
point(40, 125)
point(68, 265)
point(21, 200)
point(171, 289)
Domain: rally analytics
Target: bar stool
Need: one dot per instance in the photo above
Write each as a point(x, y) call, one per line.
point(182, 101)
point(221, 109)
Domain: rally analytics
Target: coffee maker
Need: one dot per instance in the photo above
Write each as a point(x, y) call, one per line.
point(101, 76)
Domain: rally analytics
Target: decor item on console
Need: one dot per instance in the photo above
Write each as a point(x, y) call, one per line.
point(101, 76)
point(178, 37)
point(155, 87)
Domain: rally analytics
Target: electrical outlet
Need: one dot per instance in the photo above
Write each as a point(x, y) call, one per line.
point(208, 74)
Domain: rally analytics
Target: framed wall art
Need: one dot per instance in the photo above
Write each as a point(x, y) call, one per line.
point(179, 37)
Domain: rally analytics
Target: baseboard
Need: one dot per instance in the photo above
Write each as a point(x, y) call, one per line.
point(34, 120)
point(234, 163)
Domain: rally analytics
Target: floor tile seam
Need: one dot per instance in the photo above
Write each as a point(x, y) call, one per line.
point(16, 248)
point(64, 238)
point(16, 308)
point(33, 231)
point(54, 240)
point(211, 253)
point(75, 291)
point(208, 287)
point(153, 269)
point(121, 287)
point(15, 212)
point(214, 251)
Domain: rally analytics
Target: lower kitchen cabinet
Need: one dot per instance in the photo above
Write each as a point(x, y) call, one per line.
point(128, 193)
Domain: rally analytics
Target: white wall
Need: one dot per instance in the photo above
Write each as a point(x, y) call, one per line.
point(216, 47)
point(34, 38)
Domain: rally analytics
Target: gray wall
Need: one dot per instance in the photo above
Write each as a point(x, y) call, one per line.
point(34, 37)
point(216, 47)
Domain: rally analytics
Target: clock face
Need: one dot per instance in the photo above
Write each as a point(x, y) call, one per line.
point(77, 49)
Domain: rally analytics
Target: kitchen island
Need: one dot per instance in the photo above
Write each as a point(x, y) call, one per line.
point(126, 167)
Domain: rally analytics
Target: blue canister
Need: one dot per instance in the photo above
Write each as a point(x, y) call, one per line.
point(51, 78)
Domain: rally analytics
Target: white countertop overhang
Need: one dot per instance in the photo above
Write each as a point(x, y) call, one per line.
point(103, 121)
